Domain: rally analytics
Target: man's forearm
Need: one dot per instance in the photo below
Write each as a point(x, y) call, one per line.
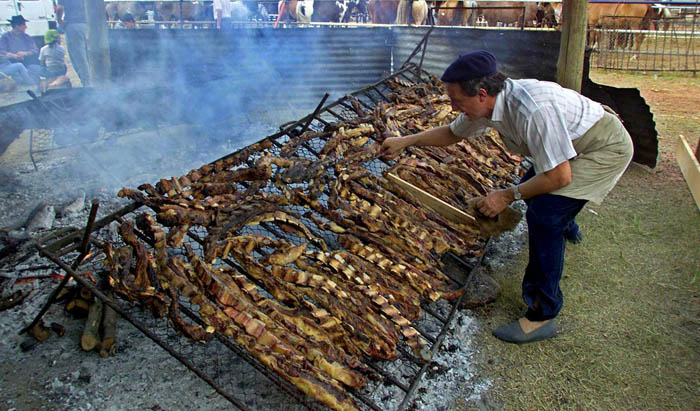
point(497, 201)
point(438, 136)
point(546, 182)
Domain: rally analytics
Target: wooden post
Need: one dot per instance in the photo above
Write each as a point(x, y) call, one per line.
point(98, 43)
point(573, 44)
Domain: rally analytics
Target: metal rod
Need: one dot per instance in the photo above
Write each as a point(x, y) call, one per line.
point(422, 56)
point(441, 336)
point(387, 376)
point(85, 244)
point(382, 94)
point(409, 356)
point(425, 334)
point(84, 247)
point(364, 399)
point(283, 384)
point(55, 246)
point(415, 50)
point(31, 149)
point(315, 113)
point(186, 362)
point(434, 313)
point(336, 115)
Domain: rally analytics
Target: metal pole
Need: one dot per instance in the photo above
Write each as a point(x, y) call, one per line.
point(84, 247)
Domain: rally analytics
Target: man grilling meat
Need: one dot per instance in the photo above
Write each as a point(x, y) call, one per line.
point(579, 151)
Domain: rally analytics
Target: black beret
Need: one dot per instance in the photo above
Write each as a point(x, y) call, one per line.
point(469, 66)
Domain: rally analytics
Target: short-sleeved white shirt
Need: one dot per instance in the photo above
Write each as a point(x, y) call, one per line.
point(536, 118)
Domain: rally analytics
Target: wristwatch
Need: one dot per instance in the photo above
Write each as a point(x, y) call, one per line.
point(516, 193)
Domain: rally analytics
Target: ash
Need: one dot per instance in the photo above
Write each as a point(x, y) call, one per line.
point(58, 375)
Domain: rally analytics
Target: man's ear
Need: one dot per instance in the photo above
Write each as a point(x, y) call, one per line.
point(482, 93)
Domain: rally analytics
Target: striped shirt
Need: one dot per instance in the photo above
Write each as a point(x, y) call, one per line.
point(536, 118)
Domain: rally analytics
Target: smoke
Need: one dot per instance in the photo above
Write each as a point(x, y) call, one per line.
point(182, 98)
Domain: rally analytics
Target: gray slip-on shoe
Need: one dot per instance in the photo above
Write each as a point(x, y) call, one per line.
point(512, 332)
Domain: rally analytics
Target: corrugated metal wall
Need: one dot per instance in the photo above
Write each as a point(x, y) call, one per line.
point(520, 53)
point(272, 76)
point(304, 63)
point(295, 64)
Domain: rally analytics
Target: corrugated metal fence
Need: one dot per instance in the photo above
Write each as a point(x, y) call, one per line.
point(301, 64)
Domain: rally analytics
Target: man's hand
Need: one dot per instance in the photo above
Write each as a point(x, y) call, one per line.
point(393, 146)
point(495, 202)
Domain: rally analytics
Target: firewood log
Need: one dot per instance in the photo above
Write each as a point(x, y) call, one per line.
point(86, 294)
point(58, 329)
point(78, 307)
point(91, 336)
point(109, 328)
point(40, 331)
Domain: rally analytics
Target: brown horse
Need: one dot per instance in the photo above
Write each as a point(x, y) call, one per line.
point(454, 13)
point(293, 10)
point(620, 16)
point(417, 10)
point(382, 12)
point(509, 16)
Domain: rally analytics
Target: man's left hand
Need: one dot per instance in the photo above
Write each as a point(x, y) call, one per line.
point(494, 203)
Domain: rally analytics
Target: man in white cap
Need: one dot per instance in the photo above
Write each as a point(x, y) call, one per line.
point(579, 151)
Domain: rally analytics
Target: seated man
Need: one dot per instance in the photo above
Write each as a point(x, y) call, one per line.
point(19, 47)
point(52, 60)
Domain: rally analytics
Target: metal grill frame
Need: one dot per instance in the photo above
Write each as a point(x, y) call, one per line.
point(340, 110)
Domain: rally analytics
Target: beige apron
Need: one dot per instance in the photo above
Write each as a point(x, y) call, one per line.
point(602, 155)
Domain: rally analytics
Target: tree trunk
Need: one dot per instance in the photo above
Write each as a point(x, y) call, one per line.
point(573, 44)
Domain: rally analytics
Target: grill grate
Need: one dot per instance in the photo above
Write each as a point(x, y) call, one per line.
point(249, 385)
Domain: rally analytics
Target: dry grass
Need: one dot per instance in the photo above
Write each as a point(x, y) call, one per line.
point(630, 327)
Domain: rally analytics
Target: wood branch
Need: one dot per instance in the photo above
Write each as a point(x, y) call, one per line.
point(91, 335)
point(109, 328)
point(12, 300)
point(86, 294)
point(58, 329)
point(40, 331)
point(78, 307)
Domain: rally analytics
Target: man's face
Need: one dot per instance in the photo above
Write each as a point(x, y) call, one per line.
point(474, 107)
point(21, 27)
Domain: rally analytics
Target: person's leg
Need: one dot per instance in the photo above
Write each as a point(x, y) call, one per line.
point(76, 43)
point(572, 233)
point(35, 72)
point(547, 218)
point(18, 72)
